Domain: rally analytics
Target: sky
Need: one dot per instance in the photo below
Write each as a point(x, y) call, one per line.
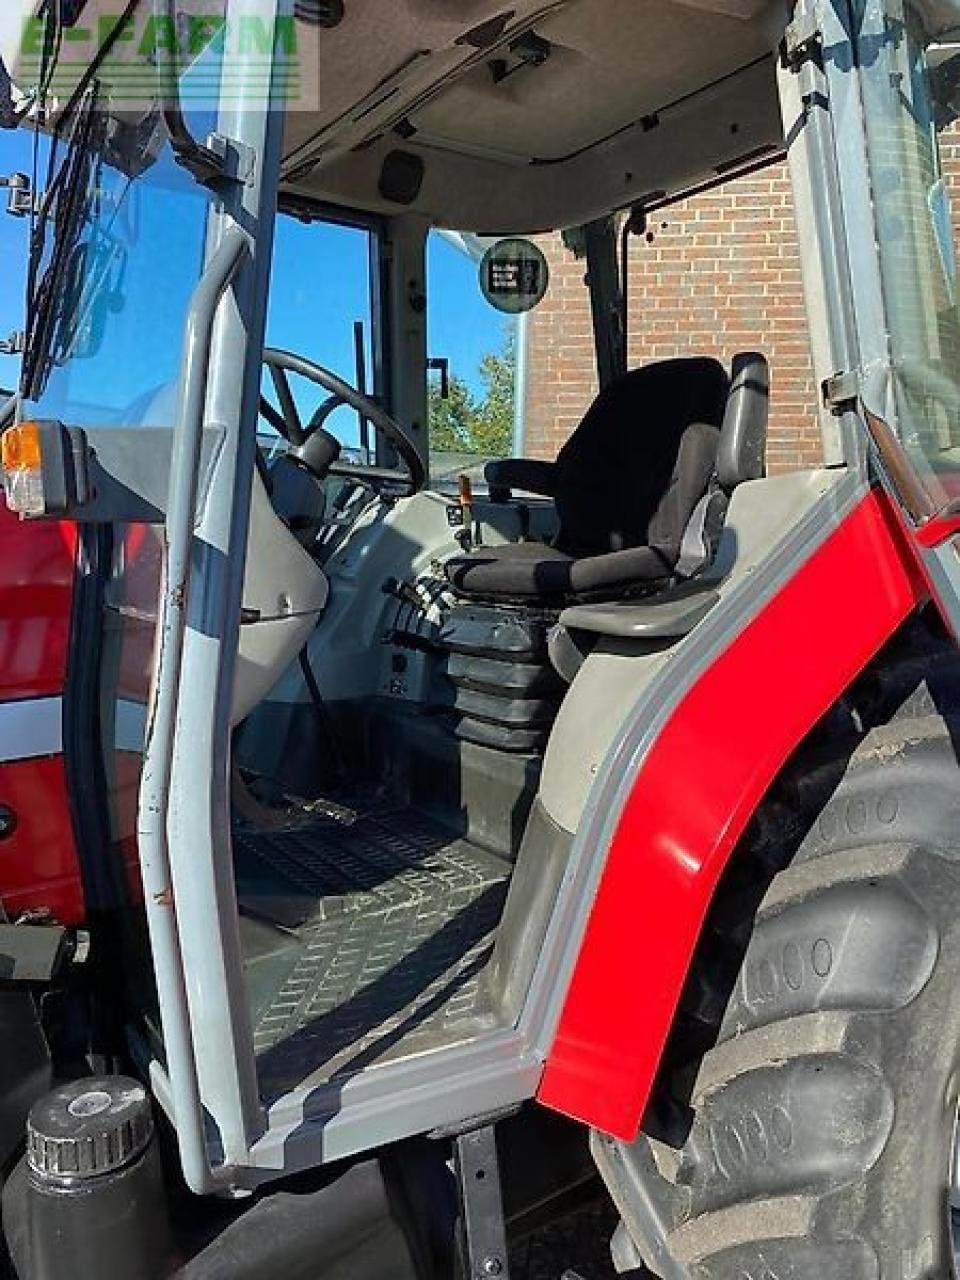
point(320, 282)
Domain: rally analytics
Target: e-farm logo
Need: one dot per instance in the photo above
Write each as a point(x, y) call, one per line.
point(216, 57)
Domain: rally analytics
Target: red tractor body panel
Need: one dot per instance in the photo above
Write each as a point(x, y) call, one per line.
point(699, 786)
point(36, 595)
point(39, 867)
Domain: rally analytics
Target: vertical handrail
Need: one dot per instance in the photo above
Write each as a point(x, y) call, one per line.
point(155, 780)
point(250, 124)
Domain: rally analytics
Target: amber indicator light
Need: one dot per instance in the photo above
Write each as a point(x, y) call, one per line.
point(20, 448)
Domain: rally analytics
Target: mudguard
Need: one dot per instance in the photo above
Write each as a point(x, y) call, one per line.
point(691, 801)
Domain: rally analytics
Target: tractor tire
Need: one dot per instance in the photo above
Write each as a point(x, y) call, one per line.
point(804, 1122)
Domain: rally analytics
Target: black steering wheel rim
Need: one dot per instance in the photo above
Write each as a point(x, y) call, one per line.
point(280, 363)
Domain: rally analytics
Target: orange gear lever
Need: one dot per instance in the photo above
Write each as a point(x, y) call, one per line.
point(465, 489)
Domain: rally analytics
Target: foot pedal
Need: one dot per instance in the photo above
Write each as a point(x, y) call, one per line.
point(329, 809)
point(483, 1234)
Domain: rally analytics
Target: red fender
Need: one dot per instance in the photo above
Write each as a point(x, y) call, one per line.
point(697, 789)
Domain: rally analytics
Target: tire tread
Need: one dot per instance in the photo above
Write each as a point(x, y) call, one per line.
point(859, 828)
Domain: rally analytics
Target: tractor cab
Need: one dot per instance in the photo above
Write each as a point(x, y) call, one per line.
point(406, 742)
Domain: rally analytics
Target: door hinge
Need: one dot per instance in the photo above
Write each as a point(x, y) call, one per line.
point(238, 162)
point(14, 344)
point(219, 159)
point(841, 391)
point(20, 202)
point(802, 40)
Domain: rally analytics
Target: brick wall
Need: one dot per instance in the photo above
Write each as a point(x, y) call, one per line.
point(716, 274)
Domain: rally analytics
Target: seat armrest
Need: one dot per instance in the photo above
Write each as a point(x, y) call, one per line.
point(667, 616)
point(506, 474)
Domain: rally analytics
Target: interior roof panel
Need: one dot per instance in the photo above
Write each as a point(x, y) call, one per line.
point(703, 68)
point(601, 75)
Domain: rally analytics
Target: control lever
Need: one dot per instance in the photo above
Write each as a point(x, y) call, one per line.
point(405, 592)
point(460, 516)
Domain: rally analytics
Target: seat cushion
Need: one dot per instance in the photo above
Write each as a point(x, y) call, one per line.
point(530, 570)
point(525, 570)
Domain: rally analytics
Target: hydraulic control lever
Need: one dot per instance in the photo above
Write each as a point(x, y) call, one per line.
point(460, 516)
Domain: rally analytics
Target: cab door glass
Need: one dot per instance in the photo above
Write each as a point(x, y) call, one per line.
point(119, 244)
point(912, 101)
point(114, 288)
point(322, 307)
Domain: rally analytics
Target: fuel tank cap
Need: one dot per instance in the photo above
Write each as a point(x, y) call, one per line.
point(89, 1127)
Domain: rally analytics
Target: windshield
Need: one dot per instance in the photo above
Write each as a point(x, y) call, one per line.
point(912, 89)
point(322, 306)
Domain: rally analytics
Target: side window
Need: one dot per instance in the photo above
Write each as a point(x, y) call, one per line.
point(472, 349)
point(321, 307)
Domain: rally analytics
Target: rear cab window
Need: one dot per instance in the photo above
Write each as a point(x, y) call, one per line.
point(475, 397)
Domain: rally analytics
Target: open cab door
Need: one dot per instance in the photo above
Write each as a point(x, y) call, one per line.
point(890, 71)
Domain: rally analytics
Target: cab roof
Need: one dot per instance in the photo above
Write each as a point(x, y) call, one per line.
point(539, 115)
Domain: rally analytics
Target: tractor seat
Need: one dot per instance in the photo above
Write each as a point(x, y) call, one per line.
point(640, 487)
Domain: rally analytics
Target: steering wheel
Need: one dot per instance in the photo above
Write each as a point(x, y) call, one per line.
point(288, 422)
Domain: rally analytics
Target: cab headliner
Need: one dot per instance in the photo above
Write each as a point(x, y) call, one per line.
point(531, 116)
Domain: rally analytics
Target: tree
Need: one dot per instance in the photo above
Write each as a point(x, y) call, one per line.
point(452, 419)
point(494, 425)
point(464, 424)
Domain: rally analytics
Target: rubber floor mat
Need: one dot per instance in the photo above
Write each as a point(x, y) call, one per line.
point(393, 922)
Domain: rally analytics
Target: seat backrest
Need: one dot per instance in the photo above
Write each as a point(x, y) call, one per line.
point(614, 471)
point(743, 436)
point(740, 457)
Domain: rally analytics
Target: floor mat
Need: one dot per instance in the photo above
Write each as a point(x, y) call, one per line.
point(392, 921)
